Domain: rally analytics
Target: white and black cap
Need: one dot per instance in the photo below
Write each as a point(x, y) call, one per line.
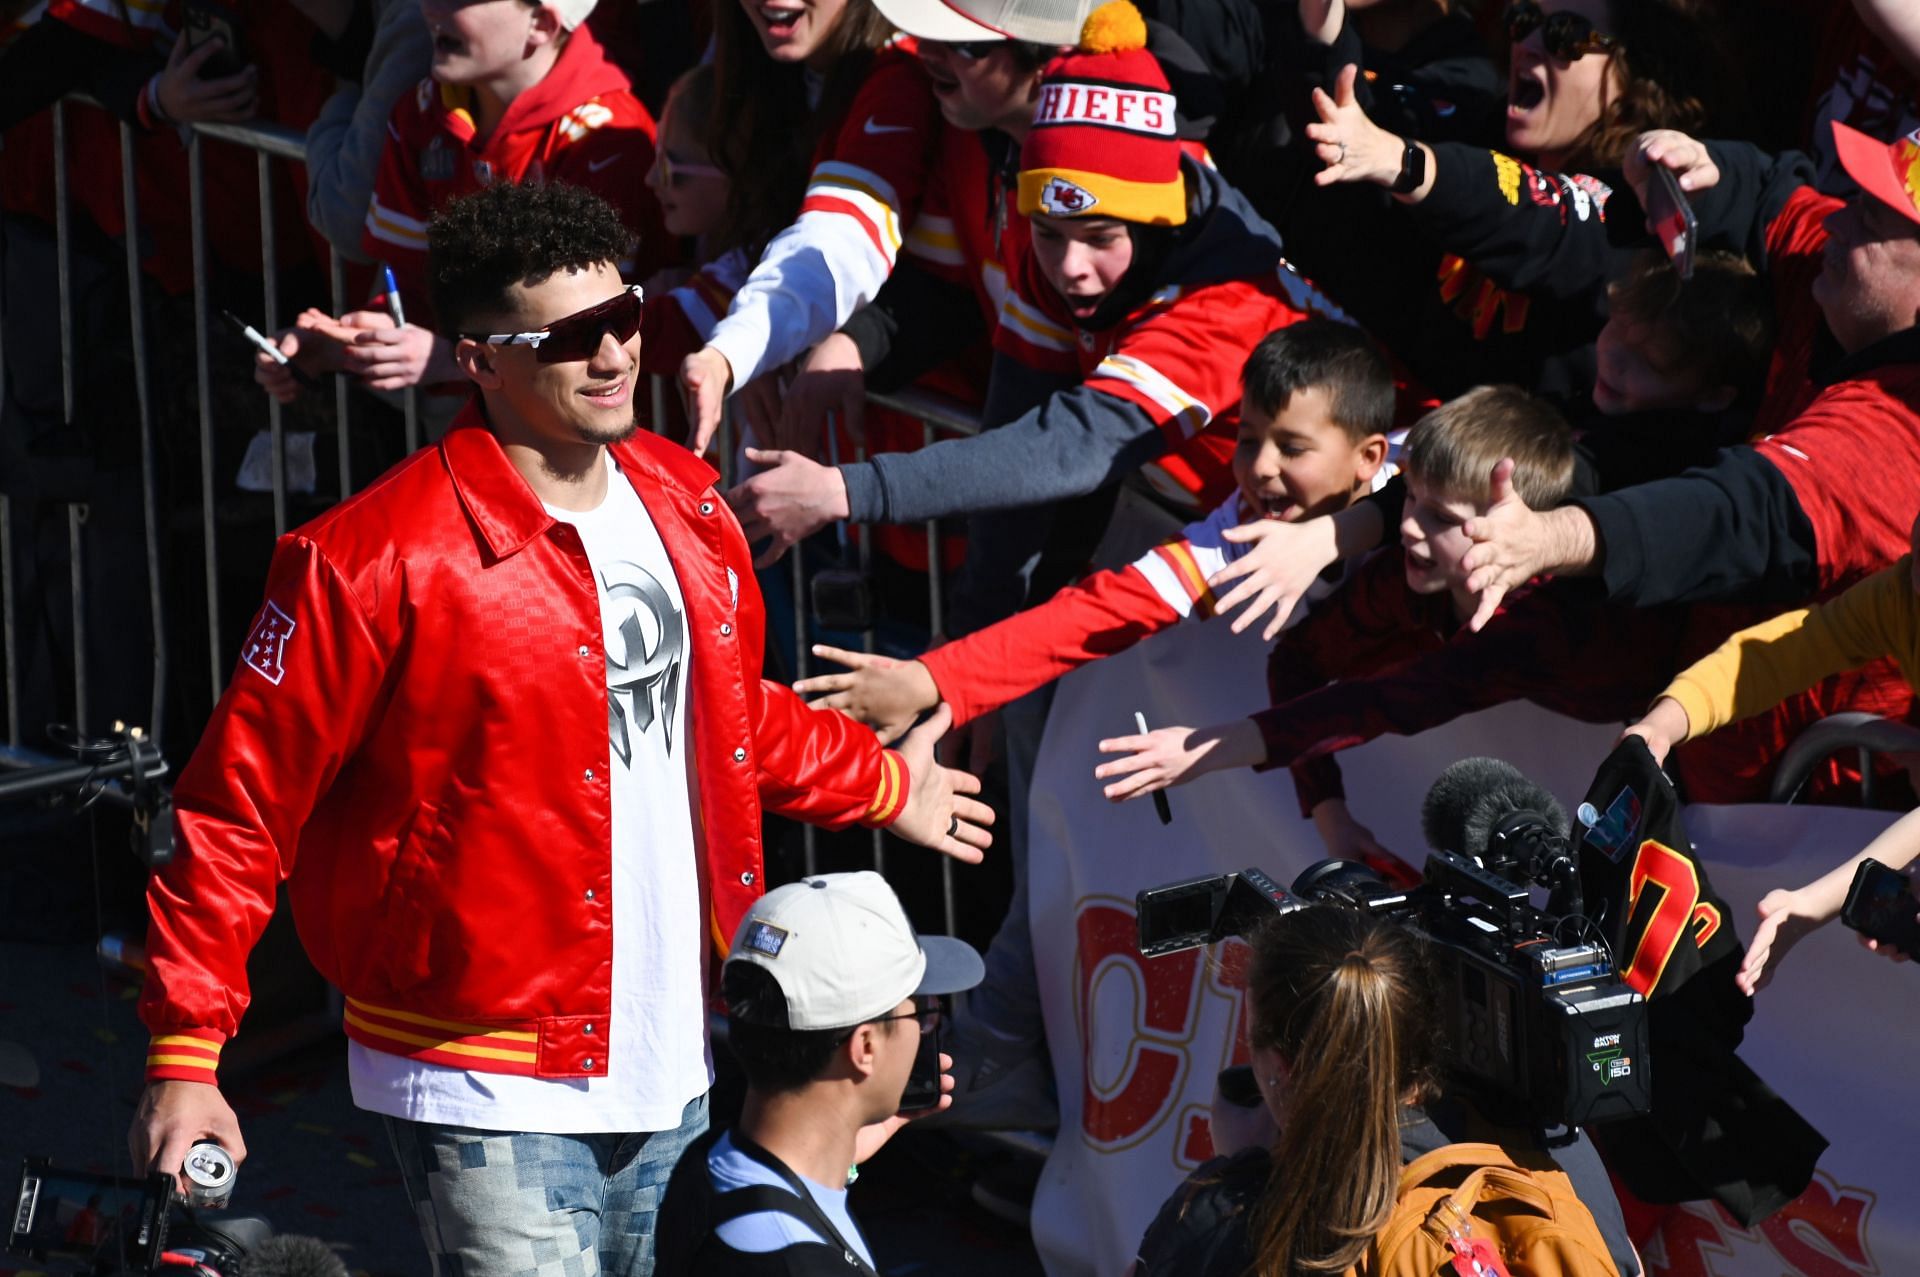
point(1056, 22)
point(843, 953)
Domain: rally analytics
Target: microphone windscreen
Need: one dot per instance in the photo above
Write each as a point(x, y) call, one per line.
point(291, 1255)
point(1451, 801)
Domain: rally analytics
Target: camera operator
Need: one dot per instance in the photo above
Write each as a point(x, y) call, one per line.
point(833, 1011)
point(1346, 1045)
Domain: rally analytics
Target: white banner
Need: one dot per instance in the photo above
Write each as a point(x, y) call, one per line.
point(1136, 1044)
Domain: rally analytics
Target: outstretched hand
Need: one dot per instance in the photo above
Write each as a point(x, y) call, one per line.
point(789, 501)
point(1353, 147)
point(1786, 918)
point(705, 378)
point(1507, 550)
point(1663, 727)
point(1274, 574)
point(941, 811)
point(885, 694)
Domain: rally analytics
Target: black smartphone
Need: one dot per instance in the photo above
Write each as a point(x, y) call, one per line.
point(76, 1216)
point(209, 20)
point(923, 1082)
point(1671, 219)
point(1881, 906)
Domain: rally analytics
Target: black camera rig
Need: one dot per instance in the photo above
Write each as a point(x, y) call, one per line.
point(1539, 1030)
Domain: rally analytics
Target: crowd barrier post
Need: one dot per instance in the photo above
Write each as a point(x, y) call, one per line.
point(76, 582)
point(270, 307)
point(63, 258)
point(203, 371)
point(143, 400)
point(342, 391)
point(9, 634)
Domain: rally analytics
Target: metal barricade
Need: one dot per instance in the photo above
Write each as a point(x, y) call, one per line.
point(272, 144)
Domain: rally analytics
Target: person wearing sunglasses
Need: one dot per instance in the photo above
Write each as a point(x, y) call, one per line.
point(836, 1013)
point(501, 729)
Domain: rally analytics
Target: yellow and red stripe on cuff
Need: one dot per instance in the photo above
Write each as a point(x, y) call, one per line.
point(451, 1042)
point(1178, 555)
point(890, 795)
point(190, 1055)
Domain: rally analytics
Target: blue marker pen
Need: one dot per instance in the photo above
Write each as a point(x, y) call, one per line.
point(393, 297)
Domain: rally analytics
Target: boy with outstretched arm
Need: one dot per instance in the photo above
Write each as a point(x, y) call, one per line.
point(1314, 415)
point(1389, 650)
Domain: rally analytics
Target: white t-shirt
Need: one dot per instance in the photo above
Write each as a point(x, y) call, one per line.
point(657, 1052)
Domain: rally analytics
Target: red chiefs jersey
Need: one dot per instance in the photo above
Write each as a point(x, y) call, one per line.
point(581, 125)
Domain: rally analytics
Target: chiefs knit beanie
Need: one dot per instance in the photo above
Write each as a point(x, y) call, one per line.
point(1102, 142)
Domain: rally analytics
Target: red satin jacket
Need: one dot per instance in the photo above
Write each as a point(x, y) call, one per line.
point(415, 740)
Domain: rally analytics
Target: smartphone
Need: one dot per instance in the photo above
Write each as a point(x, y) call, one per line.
point(1671, 219)
point(77, 1216)
point(1881, 906)
point(923, 1082)
point(210, 20)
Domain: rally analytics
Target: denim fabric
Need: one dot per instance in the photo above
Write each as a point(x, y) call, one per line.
point(497, 1204)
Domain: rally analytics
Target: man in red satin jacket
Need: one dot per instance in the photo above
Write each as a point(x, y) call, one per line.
point(500, 726)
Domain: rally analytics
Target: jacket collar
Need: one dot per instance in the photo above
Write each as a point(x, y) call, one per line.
point(1902, 347)
point(505, 511)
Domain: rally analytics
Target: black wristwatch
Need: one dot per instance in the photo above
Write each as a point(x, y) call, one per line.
point(1413, 169)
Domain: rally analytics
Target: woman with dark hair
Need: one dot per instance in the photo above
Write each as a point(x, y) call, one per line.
point(1344, 1031)
point(1509, 239)
point(826, 128)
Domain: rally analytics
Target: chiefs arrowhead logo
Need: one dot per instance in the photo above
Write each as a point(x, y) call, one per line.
point(1061, 198)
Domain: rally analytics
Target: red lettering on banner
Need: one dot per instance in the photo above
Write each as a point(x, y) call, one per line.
point(1049, 105)
point(1196, 1139)
point(1097, 100)
point(1227, 975)
point(1154, 119)
point(1823, 1232)
point(1071, 106)
point(1682, 1246)
point(1165, 990)
point(1123, 105)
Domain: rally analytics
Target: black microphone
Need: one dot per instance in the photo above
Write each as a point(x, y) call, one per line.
point(1472, 798)
point(291, 1255)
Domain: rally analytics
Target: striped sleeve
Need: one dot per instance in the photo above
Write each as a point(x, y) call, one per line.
point(1178, 570)
point(1179, 413)
point(890, 794)
point(396, 227)
point(185, 1055)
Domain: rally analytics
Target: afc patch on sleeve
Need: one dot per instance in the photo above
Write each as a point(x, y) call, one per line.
point(265, 650)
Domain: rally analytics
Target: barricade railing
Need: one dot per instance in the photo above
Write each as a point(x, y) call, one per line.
point(273, 144)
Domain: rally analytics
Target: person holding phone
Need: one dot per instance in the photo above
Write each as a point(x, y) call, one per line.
point(835, 1013)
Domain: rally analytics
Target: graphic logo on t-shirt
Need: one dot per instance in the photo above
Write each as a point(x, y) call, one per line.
point(645, 673)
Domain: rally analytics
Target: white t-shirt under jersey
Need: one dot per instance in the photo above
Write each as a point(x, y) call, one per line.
point(657, 1054)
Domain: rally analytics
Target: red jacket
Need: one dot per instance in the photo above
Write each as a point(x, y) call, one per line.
point(416, 742)
point(581, 125)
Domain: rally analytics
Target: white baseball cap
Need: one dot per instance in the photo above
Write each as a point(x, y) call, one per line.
point(572, 12)
point(843, 953)
point(962, 21)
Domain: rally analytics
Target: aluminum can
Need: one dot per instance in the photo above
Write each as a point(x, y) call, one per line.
point(209, 1170)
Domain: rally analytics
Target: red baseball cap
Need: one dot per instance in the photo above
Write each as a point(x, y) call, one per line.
point(1888, 172)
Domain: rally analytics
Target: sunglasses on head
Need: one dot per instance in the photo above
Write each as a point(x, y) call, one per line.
point(673, 172)
point(577, 336)
point(1566, 35)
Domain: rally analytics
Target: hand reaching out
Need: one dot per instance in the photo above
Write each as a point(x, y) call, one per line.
point(885, 694)
point(1275, 572)
point(1169, 756)
point(789, 501)
point(941, 811)
point(705, 378)
point(185, 98)
point(1786, 918)
point(1353, 147)
point(1687, 159)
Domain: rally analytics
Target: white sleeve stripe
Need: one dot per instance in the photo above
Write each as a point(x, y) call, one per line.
point(400, 221)
point(1024, 320)
point(880, 216)
point(1164, 583)
point(1192, 414)
point(834, 171)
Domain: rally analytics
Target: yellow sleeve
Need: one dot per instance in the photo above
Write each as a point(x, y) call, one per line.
point(1762, 665)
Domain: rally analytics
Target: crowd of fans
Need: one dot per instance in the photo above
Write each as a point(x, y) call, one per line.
point(1345, 321)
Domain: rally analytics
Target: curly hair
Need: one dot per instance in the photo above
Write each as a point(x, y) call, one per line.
point(480, 245)
point(1663, 67)
point(763, 132)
